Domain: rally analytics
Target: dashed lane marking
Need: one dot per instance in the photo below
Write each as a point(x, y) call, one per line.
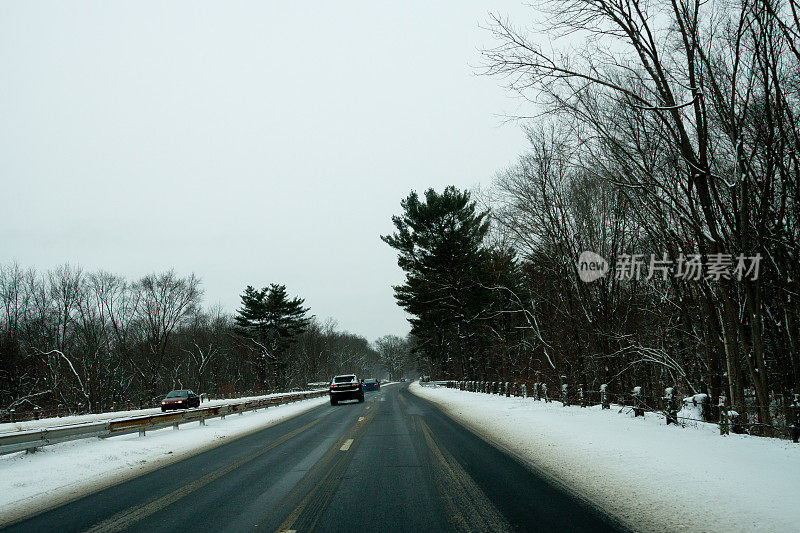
point(346, 445)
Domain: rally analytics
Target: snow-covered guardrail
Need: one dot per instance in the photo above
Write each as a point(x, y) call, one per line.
point(36, 438)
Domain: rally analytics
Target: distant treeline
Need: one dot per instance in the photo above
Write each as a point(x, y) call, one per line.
point(88, 341)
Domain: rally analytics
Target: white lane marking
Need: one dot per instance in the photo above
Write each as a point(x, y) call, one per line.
point(346, 445)
point(360, 418)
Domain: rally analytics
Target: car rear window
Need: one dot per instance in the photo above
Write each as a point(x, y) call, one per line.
point(176, 394)
point(370, 381)
point(343, 379)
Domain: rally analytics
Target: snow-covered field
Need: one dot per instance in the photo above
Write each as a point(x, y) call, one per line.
point(110, 415)
point(61, 472)
point(651, 476)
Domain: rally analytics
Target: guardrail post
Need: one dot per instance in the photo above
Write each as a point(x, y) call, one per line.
point(514, 389)
point(536, 391)
point(36, 412)
point(724, 419)
point(544, 393)
point(11, 413)
point(508, 390)
point(565, 395)
point(60, 410)
point(202, 421)
point(141, 432)
point(604, 397)
point(175, 425)
point(524, 390)
point(670, 406)
point(581, 399)
point(796, 418)
point(638, 402)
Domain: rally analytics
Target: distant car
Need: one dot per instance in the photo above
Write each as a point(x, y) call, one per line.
point(403, 380)
point(346, 387)
point(372, 384)
point(180, 399)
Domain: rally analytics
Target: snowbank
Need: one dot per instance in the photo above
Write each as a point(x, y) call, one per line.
point(61, 472)
point(111, 415)
point(651, 476)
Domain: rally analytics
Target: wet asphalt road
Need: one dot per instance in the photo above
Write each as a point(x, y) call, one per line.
point(392, 463)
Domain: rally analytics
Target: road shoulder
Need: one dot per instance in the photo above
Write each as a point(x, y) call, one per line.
point(61, 473)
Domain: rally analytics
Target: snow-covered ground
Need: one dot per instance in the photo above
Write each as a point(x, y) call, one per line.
point(61, 472)
point(650, 476)
point(110, 415)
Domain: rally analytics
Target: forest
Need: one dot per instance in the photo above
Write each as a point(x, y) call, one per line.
point(78, 342)
point(664, 138)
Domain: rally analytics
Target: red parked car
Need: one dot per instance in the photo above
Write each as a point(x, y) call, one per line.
point(180, 399)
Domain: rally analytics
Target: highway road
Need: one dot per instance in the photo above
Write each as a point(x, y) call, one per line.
point(392, 463)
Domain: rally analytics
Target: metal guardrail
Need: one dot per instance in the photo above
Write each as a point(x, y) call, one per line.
point(35, 438)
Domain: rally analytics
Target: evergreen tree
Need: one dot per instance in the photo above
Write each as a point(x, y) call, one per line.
point(273, 320)
point(440, 247)
point(250, 319)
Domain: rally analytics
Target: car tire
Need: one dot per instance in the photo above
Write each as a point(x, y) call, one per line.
point(163, 409)
point(361, 398)
point(334, 402)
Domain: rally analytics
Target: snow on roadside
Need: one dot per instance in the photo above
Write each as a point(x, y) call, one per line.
point(61, 472)
point(650, 476)
point(111, 415)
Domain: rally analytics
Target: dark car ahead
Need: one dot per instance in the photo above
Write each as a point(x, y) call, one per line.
point(372, 384)
point(346, 387)
point(180, 399)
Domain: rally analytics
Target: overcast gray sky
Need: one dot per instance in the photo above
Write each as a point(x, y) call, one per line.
point(248, 142)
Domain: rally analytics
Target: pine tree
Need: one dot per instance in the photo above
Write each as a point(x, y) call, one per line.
point(273, 321)
point(440, 248)
point(250, 319)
